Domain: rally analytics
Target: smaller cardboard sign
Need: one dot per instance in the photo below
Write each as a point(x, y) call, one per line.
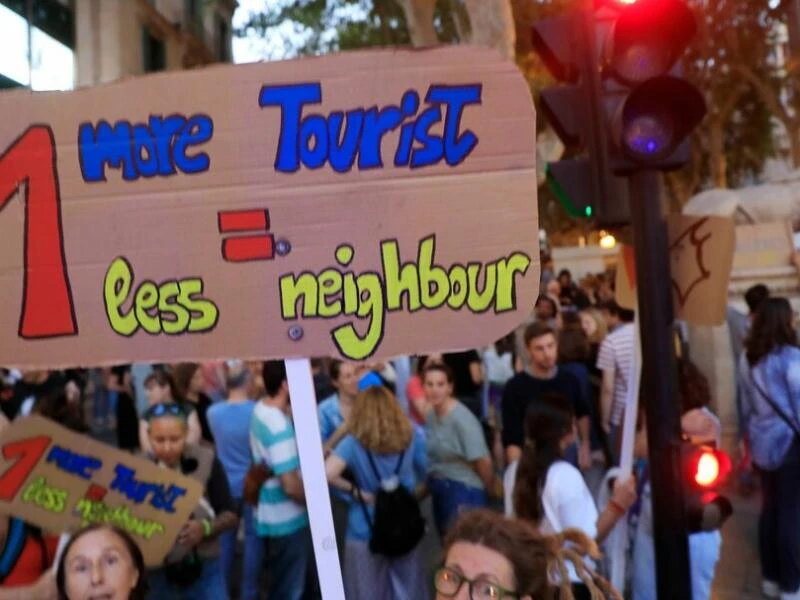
point(763, 245)
point(701, 257)
point(62, 481)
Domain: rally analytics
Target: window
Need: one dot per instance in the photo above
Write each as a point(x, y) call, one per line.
point(223, 40)
point(154, 52)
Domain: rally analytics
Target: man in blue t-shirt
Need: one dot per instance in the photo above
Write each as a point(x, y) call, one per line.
point(230, 424)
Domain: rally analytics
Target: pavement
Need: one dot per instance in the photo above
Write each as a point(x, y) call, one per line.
point(738, 574)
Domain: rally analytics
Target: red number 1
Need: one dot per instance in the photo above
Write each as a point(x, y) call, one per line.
point(28, 452)
point(47, 308)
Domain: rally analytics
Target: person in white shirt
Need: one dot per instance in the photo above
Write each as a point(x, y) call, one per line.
point(551, 493)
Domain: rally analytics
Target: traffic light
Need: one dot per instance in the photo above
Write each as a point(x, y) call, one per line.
point(705, 470)
point(624, 105)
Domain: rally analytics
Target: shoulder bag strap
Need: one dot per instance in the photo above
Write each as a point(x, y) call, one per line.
point(773, 405)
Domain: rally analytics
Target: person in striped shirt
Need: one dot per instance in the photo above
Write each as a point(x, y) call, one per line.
point(281, 516)
point(614, 360)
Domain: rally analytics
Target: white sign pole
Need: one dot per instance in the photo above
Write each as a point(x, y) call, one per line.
point(312, 463)
point(620, 539)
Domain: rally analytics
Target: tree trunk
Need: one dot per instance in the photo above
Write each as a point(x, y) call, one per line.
point(492, 24)
point(718, 161)
point(794, 142)
point(419, 16)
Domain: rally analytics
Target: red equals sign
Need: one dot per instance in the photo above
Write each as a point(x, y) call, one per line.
point(246, 247)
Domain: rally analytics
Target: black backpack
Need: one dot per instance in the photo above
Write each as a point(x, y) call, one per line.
point(398, 525)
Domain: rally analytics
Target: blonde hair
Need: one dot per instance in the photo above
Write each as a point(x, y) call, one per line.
point(378, 423)
point(602, 327)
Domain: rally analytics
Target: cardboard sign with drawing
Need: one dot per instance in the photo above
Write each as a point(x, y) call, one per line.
point(362, 205)
point(61, 481)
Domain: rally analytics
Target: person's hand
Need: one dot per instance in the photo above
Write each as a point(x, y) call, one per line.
point(625, 494)
point(192, 534)
point(367, 497)
point(73, 392)
point(584, 456)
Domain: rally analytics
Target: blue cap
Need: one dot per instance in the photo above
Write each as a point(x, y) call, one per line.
point(369, 380)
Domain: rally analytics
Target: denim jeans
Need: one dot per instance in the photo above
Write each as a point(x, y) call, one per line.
point(704, 552)
point(450, 498)
point(779, 524)
point(210, 585)
point(291, 566)
point(253, 555)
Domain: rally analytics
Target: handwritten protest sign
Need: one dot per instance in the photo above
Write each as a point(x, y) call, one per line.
point(61, 481)
point(701, 256)
point(359, 205)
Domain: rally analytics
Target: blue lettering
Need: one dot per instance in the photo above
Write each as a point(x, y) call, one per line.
point(164, 130)
point(432, 148)
point(376, 125)
point(137, 491)
point(311, 140)
point(314, 129)
point(165, 499)
point(159, 147)
point(198, 130)
point(105, 145)
point(456, 147)
point(143, 143)
point(291, 99)
point(409, 105)
point(344, 148)
point(75, 464)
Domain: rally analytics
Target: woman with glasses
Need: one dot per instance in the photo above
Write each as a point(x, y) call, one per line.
point(489, 557)
point(192, 568)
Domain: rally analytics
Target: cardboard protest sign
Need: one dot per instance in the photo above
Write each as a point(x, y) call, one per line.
point(763, 245)
point(701, 256)
point(62, 481)
point(360, 205)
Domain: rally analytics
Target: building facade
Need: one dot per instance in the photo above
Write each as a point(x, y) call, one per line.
point(123, 38)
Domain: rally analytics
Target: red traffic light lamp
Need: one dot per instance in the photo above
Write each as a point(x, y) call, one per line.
point(705, 470)
point(647, 38)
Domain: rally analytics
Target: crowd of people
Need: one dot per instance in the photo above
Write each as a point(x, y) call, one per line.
point(511, 443)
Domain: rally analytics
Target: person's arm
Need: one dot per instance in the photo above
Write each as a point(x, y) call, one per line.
point(607, 398)
point(476, 371)
point(584, 450)
point(622, 499)
point(512, 423)
point(335, 466)
point(219, 497)
point(483, 467)
point(194, 433)
point(144, 437)
point(292, 486)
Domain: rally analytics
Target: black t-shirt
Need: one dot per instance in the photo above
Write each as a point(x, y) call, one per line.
point(459, 363)
point(203, 402)
point(218, 491)
point(523, 390)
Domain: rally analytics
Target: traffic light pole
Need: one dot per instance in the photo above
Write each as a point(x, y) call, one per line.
point(658, 391)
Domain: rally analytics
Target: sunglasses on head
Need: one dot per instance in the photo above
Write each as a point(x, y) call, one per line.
point(167, 409)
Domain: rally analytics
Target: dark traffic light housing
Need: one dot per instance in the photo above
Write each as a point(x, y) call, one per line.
point(625, 106)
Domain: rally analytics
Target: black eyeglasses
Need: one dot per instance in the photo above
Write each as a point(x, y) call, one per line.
point(448, 583)
point(160, 410)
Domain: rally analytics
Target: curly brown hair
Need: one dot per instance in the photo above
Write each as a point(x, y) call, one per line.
point(532, 556)
point(378, 423)
point(771, 329)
